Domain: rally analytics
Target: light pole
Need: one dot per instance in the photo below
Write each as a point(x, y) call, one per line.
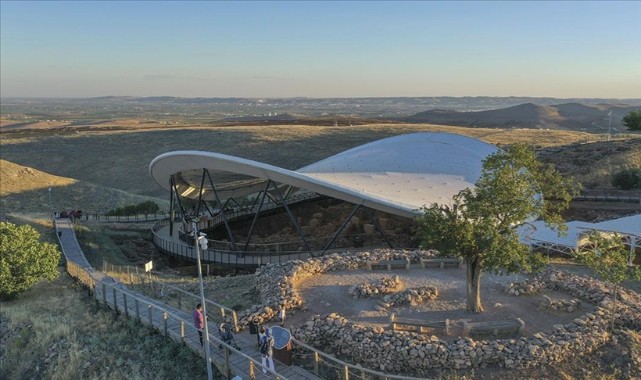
point(198, 240)
point(50, 204)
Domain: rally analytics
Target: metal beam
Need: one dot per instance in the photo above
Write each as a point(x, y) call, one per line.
point(378, 227)
point(291, 217)
point(200, 192)
point(260, 205)
point(180, 206)
point(172, 211)
point(230, 234)
point(349, 217)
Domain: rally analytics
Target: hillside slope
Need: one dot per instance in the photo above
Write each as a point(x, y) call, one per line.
point(26, 190)
point(567, 116)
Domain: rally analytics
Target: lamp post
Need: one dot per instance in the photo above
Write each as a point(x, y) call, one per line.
point(198, 240)
point(50, 204)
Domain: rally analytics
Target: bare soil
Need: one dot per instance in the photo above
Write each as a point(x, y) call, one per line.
point(329, 293)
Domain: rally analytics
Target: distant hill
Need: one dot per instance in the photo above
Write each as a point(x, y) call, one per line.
point(568, 116)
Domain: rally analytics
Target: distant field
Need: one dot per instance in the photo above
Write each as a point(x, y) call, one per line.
point(110, 157)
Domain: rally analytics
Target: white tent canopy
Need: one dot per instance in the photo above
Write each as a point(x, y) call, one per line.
point(397, 175)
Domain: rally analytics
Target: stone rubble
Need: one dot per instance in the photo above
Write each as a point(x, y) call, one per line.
point(398, 351)
point(275, 282)
point(556, 304)
point(527, 287)
point(383, 286)
point(411, 297)
point(403, 352)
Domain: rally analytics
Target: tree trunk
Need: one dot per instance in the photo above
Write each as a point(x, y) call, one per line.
point(473, 274)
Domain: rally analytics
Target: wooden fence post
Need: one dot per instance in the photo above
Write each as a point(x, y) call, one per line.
point(227, 364)
point(164, 317)
point(235, 317)
point(346, 372)
point(252, 373)
point(124, 294)
point(115, 303)
point(316, 362)
point(151, 321)
point(138, 311)
point(182, 332)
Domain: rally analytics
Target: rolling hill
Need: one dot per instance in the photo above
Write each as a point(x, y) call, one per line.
point(567, 116)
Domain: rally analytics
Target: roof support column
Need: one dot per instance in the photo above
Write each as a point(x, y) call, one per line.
point(222, 212)
point(172, 210)
point(260, 205)
point(180, 206)
point(380, 229)
point(342, 227)
point(291, 217)
point(200, 193)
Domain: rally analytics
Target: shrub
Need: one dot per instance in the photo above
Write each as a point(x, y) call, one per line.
point(147, 207)
point(24, 260)
point(627, 179)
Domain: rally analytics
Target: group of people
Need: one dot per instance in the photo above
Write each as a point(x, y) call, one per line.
point(265, 337)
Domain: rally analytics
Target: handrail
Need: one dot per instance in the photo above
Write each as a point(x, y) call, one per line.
point(347, 366)
point(88, 277)
point(130, 273)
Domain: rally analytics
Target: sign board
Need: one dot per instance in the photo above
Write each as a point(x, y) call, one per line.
point(149, 266)
point(281, 337)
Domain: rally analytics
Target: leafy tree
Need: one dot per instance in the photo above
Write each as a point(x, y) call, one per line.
point(481, 223)
point(627, 179)
point(633, 120)
point(24, 260)
point(609, 257)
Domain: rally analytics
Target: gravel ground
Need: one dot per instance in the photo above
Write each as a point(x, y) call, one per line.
point(329, 293)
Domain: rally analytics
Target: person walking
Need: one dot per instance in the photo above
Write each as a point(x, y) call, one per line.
point(266, 349)
point(199, 321)
point(281, 315)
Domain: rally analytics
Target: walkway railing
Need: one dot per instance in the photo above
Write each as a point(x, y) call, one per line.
point(328, 367)
point(148, 284)
point(114, 295)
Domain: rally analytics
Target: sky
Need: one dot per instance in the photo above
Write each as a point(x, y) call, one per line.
point(265, 49)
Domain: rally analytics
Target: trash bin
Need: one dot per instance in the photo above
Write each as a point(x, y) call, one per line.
point(285, 354)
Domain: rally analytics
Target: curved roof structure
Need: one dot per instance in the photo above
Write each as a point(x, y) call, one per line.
point(397, 175)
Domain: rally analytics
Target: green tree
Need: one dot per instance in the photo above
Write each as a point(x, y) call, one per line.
point(481, 224)
point(627, 179)
point(633, 120)
point(610, 259)
point(24, 260)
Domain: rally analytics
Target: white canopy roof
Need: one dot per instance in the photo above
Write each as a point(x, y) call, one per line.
point(396, 175)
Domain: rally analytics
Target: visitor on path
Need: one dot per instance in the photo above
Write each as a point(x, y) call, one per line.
point(199, 321)
point(281, 315)
point(266, 349)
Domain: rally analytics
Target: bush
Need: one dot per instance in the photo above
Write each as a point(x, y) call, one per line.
point(148, 207)
point(24, 260)
point(627, 179)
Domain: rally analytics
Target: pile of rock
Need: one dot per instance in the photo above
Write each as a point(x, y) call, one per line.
point(527, 287)
point(411, 297)
point(275, 282)
point(398, 351)
point(383, 286)
point(556, 304)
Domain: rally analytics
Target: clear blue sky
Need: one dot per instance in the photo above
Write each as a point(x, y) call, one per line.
point(320, 49)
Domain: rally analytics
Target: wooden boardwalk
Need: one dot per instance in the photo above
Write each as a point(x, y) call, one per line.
point(173, 323)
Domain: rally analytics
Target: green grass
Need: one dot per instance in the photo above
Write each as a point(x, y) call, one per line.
point(56, 331)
